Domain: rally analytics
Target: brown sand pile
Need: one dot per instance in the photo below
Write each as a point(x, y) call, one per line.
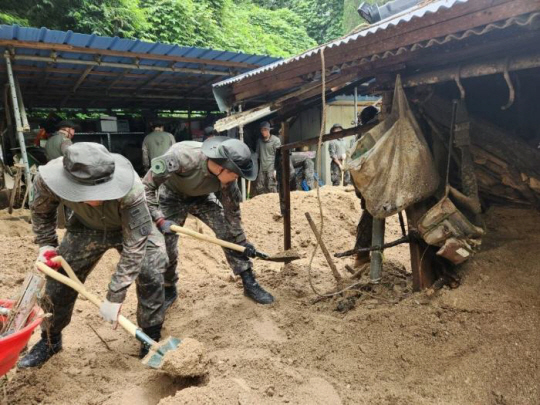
point(477, 344)
point(188, 360)
point(15, 224)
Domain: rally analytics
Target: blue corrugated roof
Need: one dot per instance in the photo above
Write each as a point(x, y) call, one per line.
point(174, 78)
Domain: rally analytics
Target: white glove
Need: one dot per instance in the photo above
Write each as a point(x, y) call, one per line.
point(46, 253)
point(110, 311)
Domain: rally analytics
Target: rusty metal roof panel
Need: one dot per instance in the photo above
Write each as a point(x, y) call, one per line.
point(407, 16)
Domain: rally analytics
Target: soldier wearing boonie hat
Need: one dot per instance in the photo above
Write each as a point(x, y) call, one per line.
point(108, 210)
point(183, 181)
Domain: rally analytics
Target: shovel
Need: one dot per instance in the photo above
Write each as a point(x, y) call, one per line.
point(285, 257)
point(158, 350)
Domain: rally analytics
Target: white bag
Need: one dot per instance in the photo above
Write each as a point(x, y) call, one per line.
point(398, 169)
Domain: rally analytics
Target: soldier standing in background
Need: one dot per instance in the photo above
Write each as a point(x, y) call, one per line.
point(337, 150)
point(109, 210)
point(156, 143)
point(58, 143)
point(183, 181)
point(267, 145)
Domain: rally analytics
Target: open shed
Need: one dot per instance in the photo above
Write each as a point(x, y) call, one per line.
point(483, 53)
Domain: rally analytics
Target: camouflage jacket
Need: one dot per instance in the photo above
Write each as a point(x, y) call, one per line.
point(155, 144)
point(56, 145)
point(131, 214)
point(185, 164)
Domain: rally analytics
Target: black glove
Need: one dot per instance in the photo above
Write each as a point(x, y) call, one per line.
point(164, 226)
point(250, 250)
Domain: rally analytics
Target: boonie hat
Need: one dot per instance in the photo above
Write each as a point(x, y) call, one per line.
point(232, 154)
point(336, 126)
point(265, 124)
point(66, 124)
point(89, 172)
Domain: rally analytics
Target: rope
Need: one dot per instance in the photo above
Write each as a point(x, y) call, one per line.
point(319, 169)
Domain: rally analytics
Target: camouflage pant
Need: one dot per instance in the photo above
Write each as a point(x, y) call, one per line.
point(82, 248)
point(210, 211)
point(265, 183)
point(335, 175)
point(303, 169)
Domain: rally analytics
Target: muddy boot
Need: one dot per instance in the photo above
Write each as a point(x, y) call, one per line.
point(42, 351)
point(253, 290)
point(154, 332)
point(171, 295)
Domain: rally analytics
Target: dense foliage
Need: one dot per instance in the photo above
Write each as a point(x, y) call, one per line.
point(273, 27)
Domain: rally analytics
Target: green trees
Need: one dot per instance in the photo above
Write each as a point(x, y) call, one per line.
point(242, 26)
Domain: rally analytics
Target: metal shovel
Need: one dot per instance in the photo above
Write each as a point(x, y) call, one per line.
point(158, 349)
point(285, 257)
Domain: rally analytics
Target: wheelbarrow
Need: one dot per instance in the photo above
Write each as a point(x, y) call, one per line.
point(12, 345)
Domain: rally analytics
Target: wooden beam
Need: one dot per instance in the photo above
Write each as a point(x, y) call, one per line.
point(361, 129)
point(77, 84)
point(107, 52)
point(286, 184)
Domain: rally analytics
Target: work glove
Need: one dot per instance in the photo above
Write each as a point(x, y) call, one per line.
point(110, 311)
point(250, 250)
point(164, 226)
point(46, 253)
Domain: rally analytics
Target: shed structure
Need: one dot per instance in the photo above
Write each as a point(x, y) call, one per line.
point(484, 53)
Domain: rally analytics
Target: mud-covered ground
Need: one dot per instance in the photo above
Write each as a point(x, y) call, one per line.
point(477, 344)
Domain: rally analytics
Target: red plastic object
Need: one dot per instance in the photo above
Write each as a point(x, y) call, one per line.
point(11, 346)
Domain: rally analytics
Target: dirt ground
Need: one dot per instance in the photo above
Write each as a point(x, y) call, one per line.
point(477, 344)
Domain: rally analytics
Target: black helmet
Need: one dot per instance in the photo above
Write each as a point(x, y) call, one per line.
point(233, 155)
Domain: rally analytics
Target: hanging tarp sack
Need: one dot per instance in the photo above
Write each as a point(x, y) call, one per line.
point(392, 165)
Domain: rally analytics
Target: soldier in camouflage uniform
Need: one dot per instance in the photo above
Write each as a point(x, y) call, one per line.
point(337, 150)
point(59, 141)
point(156, 144)
point(183, 181)
point(267, 145)
point(108, 211)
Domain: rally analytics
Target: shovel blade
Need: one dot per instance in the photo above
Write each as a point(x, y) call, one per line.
point(284, 257)
point(154, 358)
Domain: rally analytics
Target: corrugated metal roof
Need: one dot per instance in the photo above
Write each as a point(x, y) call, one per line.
point(177, 78)
point(405, 17)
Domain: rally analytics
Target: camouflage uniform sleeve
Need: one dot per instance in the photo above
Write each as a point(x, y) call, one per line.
point(136, 226)
point(66, 143)
point(230, 198)
point(176, 160)
point(44, 209)
point(173, 140)
point(145, 157)
point(332, 150)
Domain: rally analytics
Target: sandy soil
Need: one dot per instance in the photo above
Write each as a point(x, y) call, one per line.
point(477, 344)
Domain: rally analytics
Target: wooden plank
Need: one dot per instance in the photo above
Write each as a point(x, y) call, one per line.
point(108, 52)
point(422, 255)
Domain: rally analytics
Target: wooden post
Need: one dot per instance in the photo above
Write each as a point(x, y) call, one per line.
point(286, 184)
point(377, 239)
point(421, 254)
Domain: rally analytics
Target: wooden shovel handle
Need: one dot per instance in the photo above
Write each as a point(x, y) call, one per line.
point(208, 238)
point(79, 287)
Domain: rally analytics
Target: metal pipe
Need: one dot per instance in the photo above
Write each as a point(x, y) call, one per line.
point(377, 239)
point(119, 65)
point(25, 124)
point(18, 123)
point(356, 106)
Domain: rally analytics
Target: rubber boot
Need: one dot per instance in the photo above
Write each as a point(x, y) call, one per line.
point(154, 332)
point(253, 290)
point(42, 351)
point(171, 295)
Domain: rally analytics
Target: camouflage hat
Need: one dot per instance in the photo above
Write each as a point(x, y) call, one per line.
point(336, 127)
point(265, 124)
point(89, 172)
point(233, 155)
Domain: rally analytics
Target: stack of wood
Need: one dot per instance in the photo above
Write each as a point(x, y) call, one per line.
point(507, 168)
